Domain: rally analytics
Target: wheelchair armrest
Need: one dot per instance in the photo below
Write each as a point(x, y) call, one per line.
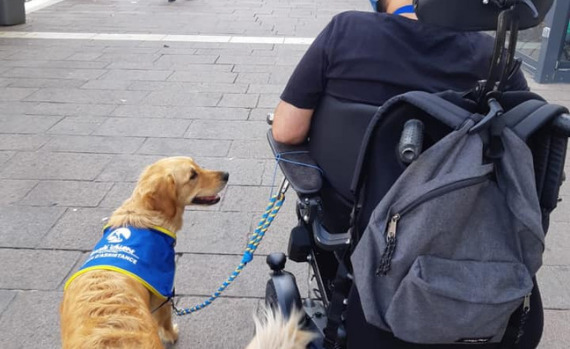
point(304, 180)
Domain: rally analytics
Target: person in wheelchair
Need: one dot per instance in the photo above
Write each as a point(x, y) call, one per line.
point(369, 58)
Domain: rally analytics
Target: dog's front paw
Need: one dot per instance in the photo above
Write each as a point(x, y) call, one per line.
point(169, 336)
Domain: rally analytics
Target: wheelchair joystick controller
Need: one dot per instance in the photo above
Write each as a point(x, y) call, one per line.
point(276, 261)
point(411, 141)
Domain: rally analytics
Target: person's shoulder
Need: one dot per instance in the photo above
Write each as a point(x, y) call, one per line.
point(358, 16)
point(357, 21)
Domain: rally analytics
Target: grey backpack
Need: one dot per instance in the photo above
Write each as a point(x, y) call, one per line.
point(450, 251)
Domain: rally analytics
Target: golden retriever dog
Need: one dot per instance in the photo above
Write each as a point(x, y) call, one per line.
point(274, 331)
point(107, 307)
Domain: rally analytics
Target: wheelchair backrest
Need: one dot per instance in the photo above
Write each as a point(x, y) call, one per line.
point(479, 15)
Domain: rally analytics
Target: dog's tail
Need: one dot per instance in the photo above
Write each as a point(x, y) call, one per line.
point(274, 331)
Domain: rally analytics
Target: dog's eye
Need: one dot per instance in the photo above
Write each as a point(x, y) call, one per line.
point(193, 175)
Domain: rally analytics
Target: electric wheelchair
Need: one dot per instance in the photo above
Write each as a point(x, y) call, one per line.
point(340, 182)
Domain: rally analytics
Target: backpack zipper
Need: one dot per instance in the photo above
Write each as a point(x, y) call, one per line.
point(386, 259)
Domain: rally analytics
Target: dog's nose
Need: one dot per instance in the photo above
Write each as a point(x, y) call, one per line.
point(225, 176)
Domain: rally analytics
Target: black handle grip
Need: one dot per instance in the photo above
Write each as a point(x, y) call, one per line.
point(411, 141)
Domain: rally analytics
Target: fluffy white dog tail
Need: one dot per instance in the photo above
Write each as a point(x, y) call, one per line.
point(273, 331)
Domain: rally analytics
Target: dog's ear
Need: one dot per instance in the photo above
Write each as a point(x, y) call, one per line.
point(161, 195)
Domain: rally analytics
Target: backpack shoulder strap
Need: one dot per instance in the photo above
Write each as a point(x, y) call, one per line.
point(527, 117)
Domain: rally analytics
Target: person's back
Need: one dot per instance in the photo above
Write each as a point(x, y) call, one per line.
point(370, 57)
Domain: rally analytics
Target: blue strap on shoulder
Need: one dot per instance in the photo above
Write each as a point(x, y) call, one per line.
point(404, 9)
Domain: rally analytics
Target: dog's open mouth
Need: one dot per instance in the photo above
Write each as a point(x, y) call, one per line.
point(206, 200)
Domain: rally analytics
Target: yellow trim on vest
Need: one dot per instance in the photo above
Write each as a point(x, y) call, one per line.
point(155, 227)
point(119, 270)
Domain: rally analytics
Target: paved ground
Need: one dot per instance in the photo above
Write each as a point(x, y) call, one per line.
point(81, 115)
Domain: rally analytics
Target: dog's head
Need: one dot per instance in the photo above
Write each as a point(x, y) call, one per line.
point(174, 182)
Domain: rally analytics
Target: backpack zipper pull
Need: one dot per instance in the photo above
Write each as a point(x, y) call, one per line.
point(386, 259)
point(523, 317)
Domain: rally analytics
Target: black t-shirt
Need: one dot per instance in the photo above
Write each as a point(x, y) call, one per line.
point(370, 57)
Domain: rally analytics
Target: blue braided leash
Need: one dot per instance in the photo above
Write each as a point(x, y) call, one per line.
point(267, 218)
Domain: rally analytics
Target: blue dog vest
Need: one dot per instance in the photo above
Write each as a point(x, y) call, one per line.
point(145, 254)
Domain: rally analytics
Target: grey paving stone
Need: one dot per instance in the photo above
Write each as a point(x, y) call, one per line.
point(239, 100)
point(143, 127)
point(195, 76)
point(126, 55)
point(67, 194)
point(166, 61)
point(554, 281)
point(35, 269)
point(198, 274)
point(214, 232)
point(78, 229)
point(220, 87)
point(126, 168)
point(266, 88)
point(234, 59)
point(251, 68)
point(178, 98)
point(71, 109)
point(22, 142)
point(5, 298)
point(184, 147)
point(26, 124)
point(18, 329)
point(256, 78)
point(255, 149)
point(242, 171)
point(43, 52)
point(272, 174)
point(245, 198)
point(231, 50)
point(107, 85)
point(555, 335)
point(42, 83)
point(117, 195)
point(12, 191)
point(5, 156)
point(557, 244)
point(267, 100)
point(260, 114)
point(196, 67)
point(38, 221)
point(53, 73)
point(60, 166)
point(206, 113)
point(60, 95)
point(226, 324)
point(14, 93)
point(245, 130)
point(94, 144)
point(84, 56)
point(82, 125)
point(279, 77)
point(11, 108)
point(64, 65)
point(148, 75)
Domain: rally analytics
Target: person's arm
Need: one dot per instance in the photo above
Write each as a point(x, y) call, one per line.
point(291, 124)
point(292, 118)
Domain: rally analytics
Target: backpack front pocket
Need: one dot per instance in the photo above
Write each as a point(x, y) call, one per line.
point(457, 301)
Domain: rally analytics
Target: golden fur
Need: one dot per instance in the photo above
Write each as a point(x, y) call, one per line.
point(106, 309)
point(273, 331)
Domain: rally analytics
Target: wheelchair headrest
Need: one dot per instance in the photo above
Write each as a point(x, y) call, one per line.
point(477, 15)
